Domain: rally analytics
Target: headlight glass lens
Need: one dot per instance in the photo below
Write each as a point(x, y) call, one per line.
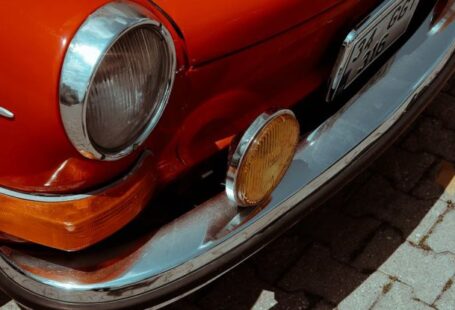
point(126, 93)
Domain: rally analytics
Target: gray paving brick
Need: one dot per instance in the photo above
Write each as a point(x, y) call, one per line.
point(431, 136)
point(278, 300)
point(241, 289)
point(372, 197)
point(443, 108)
point(276, 258)
point(286, 301)
point(344, 235)
point(420, 234)
point(427, 188)
point(265, 301)
point(400, 296)
point(426, 272)
point(446, 179)
point(366, 295)
point(381, 246)
point(319, 274)
point(447, 298)
point(442, 237)
point(10, 306)
point(404, 169)
point(400, 210)
point(323, 305)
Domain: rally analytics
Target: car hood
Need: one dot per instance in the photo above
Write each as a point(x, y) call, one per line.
point(213, 29)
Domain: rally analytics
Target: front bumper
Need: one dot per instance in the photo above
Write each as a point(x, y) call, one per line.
point(199, 246)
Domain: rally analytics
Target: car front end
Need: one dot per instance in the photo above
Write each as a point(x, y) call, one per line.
point(117, 201)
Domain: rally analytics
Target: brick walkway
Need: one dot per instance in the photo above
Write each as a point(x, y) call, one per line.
point(387, 241)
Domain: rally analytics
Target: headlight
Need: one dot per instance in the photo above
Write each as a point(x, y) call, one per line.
point(116, 80)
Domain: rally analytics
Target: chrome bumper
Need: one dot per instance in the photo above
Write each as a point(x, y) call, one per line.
point(204, 243)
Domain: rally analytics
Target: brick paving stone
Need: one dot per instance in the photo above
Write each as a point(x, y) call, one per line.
point(382, 292)
point(443, 108)
point(273, 260)
point(241, 289)
point(400, 210)
point(421, 232)
point(382, 245)
point(442, 237)
point(447, 298)
point(343, 234)
point(319, 274)
point(286, 301)
point(403, 168)
point(265, 301)
point(431, 136)
point(428, 190)
point(406, 212)
point(400, 296)
point(366, 295)
point(446, 179)
point(375, 195)
point(422, 270)
point(323, 305)
point(10, 306)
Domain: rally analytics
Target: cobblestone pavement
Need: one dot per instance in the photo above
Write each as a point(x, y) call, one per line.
point(387, 241)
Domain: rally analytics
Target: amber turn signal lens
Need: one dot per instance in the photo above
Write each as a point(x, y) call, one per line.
point(262, 157)
point(77, 223)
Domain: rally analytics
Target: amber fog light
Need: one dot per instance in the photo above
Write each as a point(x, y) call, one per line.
point(261, 158)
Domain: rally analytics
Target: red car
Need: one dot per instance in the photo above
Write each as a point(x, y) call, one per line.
point(147, 147)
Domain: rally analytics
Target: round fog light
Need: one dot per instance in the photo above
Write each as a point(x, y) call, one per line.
point(261, 158)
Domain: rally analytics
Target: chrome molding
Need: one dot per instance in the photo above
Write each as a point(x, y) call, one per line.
point(94, 38)
point(6, 113)
point(243, 145)
point(67, 198)
point(208, 233)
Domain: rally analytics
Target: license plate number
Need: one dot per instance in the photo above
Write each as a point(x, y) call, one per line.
point(370, 40)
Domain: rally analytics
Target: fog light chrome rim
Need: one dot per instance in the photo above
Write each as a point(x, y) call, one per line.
point(241, 148)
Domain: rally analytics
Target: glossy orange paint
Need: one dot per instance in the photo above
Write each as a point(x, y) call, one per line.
point(213, 28)
point(236, 59)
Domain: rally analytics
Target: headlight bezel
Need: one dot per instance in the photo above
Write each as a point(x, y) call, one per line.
point(95, 37)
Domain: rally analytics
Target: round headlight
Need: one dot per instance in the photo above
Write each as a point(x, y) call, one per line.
point(116, 80)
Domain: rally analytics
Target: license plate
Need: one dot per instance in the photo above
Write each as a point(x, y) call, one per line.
point(370, 40)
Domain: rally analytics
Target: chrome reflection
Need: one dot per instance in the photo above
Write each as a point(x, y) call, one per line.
point(6, 113)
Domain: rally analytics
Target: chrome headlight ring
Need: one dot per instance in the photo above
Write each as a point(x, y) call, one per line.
point(98, 34)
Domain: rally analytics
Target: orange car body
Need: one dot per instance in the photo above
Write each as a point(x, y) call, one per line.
point(235, 59)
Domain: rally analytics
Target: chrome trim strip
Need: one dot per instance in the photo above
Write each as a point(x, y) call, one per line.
point(69, 197)
point(6, 113)
point(86, 51)
point(212, 230)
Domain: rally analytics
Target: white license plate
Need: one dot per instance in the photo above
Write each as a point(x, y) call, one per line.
point(370, 40)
